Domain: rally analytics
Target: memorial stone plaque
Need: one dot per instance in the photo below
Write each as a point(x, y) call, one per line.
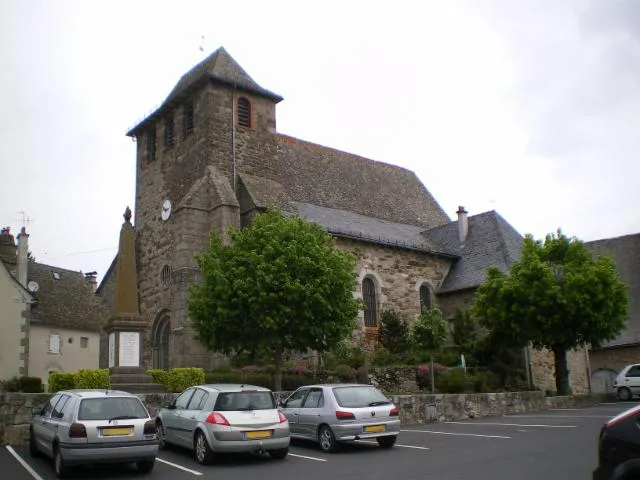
point(129, 349)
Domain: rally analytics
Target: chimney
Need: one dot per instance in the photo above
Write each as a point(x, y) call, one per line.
point(92, 278)
point(463, 225)
point(7, 246)
point(23, 263)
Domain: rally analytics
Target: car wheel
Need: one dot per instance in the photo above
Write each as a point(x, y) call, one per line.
point(58, 464)
point(624, 394)
point(162, 437)
point(327, 439)
point(33, 448)
point(204, 455)
point(280, 454)
point(387, 442)
point(145, 466)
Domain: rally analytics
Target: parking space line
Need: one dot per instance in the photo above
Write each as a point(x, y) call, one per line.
point(22, 462)
point(308, 458)
point(180, 467)
point(456, 434)
point(559, 416)
point(398, 445)
point(619, 403)
point(512, 424)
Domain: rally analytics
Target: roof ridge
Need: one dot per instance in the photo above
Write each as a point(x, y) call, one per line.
point(59, 269)
point(618, 237)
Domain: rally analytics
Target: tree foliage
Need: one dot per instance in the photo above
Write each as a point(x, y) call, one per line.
point(558, 296)
point(464, 329)
point(394, 332)
point(428, 331)
point(279, 285)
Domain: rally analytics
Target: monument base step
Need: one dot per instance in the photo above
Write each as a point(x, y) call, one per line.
point(130, 378)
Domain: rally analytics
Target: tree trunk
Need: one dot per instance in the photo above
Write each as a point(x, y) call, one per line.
point(277, 376)
point(562, 372)
point(433, 377)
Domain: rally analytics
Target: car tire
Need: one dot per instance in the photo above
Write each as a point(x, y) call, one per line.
point(624, 394)
point(387, 441)
point(145, 466)
point(327, 439)
point(33, 448)
point(62, 471)
point(280, 454)
point(204, 454)
point(162, 437)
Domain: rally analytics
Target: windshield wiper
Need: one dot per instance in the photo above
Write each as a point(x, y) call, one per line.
point(122, 417)
point(375, 404)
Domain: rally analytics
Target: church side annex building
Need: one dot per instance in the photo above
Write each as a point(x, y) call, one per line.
point(210, 157)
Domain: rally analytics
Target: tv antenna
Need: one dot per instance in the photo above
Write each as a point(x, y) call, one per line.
point(26, 219)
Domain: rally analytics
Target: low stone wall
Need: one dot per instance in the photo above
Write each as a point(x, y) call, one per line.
point(394, 379)
point(15, 408)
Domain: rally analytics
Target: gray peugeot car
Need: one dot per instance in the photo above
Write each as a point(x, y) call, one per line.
point(81, 427)
point(330, 414)
point(224, 418)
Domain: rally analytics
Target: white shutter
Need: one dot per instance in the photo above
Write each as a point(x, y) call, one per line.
point(54, 343)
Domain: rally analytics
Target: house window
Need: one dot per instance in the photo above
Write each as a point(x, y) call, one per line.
point(169, 132)
point(426, 300)
point(244, 112)
point(84, 342)
point(54, 343)
point(187, 120)
point(151, 144)
point(370, 304)
point(165, 276)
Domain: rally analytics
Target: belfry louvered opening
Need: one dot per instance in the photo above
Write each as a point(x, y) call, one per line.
point(244, 112)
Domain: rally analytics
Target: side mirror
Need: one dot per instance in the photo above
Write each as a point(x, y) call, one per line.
point(281, 404)
point(36, 410)
point(170, 406)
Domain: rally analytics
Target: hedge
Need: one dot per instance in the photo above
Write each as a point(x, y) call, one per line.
point(95, 378)
point(23, 384)
point(61, 381)
point(289, 381)
point(178, 379)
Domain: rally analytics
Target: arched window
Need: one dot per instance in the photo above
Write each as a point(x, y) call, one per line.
point(426, 297)
point(370, 303)
point(161, 333)
point(244, 112)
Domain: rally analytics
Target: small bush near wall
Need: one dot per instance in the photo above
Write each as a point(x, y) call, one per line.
point(94, 378)
point(22, 384)
point(290, 381)
point(61, 381)
point(161, 377)
point(182, 378)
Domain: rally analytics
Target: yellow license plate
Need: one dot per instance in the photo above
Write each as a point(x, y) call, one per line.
point(258, 434)
point(374, 428)
point(113, 431)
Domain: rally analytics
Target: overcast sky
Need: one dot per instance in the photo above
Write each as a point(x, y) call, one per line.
point(527, 107)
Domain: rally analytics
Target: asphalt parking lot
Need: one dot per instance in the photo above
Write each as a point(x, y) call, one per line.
point(554, 444)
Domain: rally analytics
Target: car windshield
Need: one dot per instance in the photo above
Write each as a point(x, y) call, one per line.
point(359, 397)
point(234, 401)
point(114, 408)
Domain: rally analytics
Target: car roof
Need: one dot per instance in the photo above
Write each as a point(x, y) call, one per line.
point(334, 385)
point(96, 393)
point(232, 387)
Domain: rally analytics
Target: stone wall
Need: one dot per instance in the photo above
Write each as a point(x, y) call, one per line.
point(15, 408)
point(394, 379)
point(614, 358)
point(449, 302)
point(543, 370)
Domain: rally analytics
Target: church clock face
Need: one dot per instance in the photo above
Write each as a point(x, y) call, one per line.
point(166, 210)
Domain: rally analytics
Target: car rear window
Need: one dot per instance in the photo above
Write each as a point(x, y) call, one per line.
point(235, 401)
point(359, 397)
point(111, 408)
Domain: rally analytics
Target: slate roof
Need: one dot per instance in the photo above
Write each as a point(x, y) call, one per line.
point(625, 252)
point(322, 176)
point(491, 241)
point(218, 67)
point(343, 223)
point(67, 302)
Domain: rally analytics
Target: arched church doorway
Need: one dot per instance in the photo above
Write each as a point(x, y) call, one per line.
point(161, 336)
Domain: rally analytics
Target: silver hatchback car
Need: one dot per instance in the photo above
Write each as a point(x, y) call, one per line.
point(330, 414)
point(81, 427)
point(224, 418)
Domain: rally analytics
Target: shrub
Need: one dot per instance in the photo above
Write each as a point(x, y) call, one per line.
point(345, 372)
point(161, 377)
point(394, 332)
point(61, 381)
point(454, 381)
point(383, 358)
point(92, 378)
point(299, 370)
point(292, 381)
point(423, 374)
point(183, 378)
point(485, 382)
point(23, 384)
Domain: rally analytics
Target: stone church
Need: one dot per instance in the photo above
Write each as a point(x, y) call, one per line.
point(211, 156)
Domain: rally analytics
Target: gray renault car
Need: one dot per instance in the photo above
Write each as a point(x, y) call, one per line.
point(82, 427)
point(330, 414)
point(224, 418)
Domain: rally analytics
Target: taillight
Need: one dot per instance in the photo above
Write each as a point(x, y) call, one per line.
point(217, 419)
point(345, 415)
point(394, 412)
point(149, 428)
point(282, 417)
point(77, 430)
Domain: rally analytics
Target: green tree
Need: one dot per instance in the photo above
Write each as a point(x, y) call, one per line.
point(279, 285)
point(464, 330)
point(394, 332)
point(557, 296)
point(428, 332)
